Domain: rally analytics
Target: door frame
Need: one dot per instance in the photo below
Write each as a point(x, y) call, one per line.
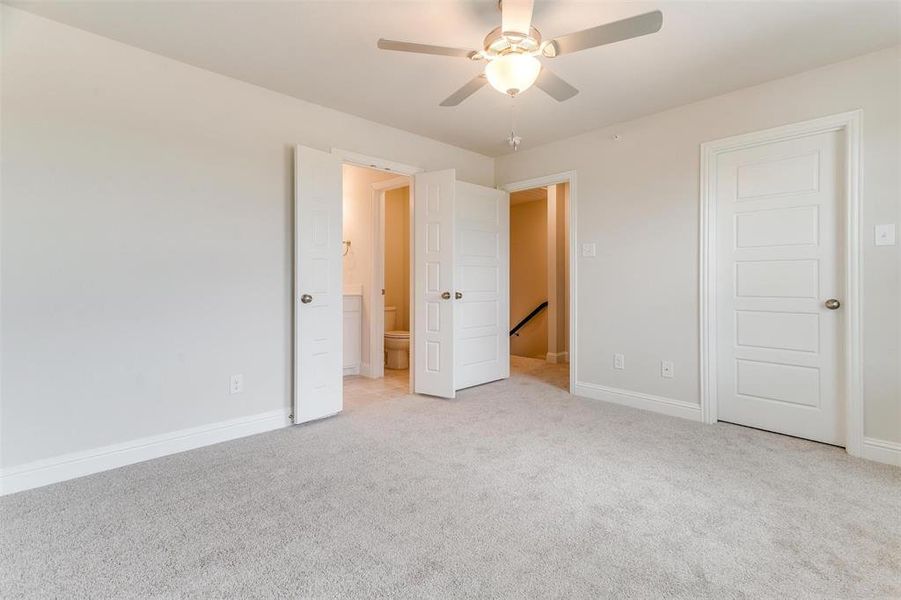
point(849, 125)
point(568, 177)
point(375, 369)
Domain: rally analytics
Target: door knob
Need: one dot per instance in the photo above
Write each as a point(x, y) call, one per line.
point(306, 298)
point(445, 295)
point(832, 303)
point(458, 295)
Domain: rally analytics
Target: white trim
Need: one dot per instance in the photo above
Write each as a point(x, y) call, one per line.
point(354, 370)
point(658, 404)
point(377, 252)
point(78, 464)
point(372, 162)
point(850, 124)
point(392, 184)
point(557, 357)
point(570, 178)
point(882, 451)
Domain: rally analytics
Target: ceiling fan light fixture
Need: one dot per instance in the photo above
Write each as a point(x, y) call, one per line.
point(512, 73)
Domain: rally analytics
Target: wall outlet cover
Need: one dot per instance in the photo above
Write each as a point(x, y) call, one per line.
point(619, 361)
point(236, 384)
point(666, 369)
point(589, 249)
point(885, 234)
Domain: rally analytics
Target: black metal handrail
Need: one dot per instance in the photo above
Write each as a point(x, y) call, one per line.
point(528, 318)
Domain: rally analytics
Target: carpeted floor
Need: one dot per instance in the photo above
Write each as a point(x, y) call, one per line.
point(513, 490)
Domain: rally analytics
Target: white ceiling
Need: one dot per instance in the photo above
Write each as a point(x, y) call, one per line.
point(324, 52)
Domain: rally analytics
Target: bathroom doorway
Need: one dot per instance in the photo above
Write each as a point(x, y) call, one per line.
point(393, 267)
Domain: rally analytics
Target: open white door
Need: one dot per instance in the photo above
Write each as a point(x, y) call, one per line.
point(318, 373)
point(433, 283)
point(482, 294)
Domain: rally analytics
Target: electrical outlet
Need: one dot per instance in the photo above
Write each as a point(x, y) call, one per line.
point(236, 384)
point(666, 369)
point(619, 361)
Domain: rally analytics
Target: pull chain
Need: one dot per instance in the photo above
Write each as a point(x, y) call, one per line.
point(514, 140)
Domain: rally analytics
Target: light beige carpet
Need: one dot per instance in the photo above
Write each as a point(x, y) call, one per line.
point(513, 490)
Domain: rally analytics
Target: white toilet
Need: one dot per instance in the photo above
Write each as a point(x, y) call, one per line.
point(397, 343)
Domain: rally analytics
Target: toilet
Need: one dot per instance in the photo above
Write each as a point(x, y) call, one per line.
point(397, 343)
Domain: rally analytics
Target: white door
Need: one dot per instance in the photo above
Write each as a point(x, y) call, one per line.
point(317, 285)
point(779, 244)
point(482, 302)
point(433, 283)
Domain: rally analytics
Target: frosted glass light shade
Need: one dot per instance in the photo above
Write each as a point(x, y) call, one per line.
point(512, 73)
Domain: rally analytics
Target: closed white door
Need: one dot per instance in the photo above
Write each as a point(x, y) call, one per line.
point(482, 293)
point(318, 301)
point(780, 278)
point(433, 283)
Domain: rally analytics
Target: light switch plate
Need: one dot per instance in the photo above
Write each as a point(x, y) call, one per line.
point(589, 249)
point(885, 235)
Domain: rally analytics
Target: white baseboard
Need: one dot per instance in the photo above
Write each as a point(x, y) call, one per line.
point(881, 451)
point(557, 357)
point(354, 370)
point(78, 464)
point(660, 404)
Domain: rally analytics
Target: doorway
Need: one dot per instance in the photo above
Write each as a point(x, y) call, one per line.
point(540, 279)
point(391, 289)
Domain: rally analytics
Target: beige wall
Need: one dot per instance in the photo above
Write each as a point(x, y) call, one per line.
point(147, 238)
point(558, 264)
point(638, 201)
point(397, 254)
point(528, 276)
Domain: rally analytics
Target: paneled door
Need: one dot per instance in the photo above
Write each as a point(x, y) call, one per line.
point(318, 300)
point(433, 283)
point(481, 295)
point(779, 317)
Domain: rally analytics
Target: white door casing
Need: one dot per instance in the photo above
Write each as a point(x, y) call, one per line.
point(482, 294)
point(779, 251)
point(433, 283)
point(318, 299)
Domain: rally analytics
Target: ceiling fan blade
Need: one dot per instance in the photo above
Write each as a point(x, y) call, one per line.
point(424, 48)
point(553, 86)
point(516, 16)
point(471, 87)
point(605, 34)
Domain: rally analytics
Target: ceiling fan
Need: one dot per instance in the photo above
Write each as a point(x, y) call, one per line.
point(511, 51)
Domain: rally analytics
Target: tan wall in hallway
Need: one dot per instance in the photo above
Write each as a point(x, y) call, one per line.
point(397, 254)
point(558, 268)
point(528, 276)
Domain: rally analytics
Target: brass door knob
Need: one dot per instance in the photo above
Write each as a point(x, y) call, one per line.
point(458, 295)
point(306, 298)
point(832, 304)
point(445, 295)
